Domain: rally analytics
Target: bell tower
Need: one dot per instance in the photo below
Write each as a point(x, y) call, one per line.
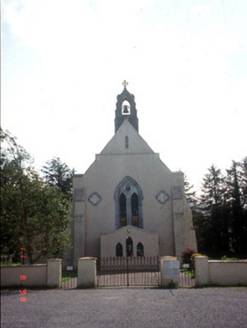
point(126, 109)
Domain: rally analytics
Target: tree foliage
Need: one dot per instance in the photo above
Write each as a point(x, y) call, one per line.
point(236, 183)
point(58, 174)
point(221, 220)
point(34, 215)
point(190, 194)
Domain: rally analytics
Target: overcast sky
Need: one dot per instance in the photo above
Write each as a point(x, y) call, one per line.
point(63, 64)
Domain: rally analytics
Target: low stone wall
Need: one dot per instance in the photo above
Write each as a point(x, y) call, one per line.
point(25, 275)
point(224, 273)
point(49, 274)
point(228, 272)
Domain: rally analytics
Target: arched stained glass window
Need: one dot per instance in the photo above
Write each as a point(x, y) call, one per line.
point(128, 203)
point(135, 210)
point(122, 207)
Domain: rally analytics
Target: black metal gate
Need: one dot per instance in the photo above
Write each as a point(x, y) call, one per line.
point(186, 279)
point(128, 271)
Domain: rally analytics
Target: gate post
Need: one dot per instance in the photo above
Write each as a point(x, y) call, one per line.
point(87, 273)
point(54, 273)
point(201, 270)
point(169, 267)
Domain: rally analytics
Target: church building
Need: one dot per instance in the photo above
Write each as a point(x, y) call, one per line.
point(128, 202)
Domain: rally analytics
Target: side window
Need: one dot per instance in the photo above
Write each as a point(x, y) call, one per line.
point(140, 249)
point(119, 250)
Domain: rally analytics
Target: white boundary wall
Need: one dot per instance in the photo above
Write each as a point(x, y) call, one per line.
point(49, 274)
point(225, 273)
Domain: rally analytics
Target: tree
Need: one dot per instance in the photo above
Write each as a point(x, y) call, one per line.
point(34, 215)
point(212, 207)
point(236, 182)
point(13, 160)
point(199, 222)
point(190, 195)
point(243, 181)
point(58, 174)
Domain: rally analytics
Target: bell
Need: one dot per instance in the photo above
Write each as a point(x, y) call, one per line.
point(126, 109)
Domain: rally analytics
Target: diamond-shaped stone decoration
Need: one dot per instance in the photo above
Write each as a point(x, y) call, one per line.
point(94, 198)
point(162, 197)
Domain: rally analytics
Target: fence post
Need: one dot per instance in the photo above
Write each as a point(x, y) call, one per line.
point(54, 273)
point(87, 274)
point(201, 270)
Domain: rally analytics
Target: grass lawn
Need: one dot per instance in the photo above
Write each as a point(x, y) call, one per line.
point(11, 264)
point(188, 272)
point(67, 275)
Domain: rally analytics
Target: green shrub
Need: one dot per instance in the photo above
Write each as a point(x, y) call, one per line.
point(225, 258)
point(187, 256)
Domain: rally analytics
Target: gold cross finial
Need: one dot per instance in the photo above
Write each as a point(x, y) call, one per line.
point(125, 83)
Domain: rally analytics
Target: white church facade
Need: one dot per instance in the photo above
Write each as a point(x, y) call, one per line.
point(128, 202)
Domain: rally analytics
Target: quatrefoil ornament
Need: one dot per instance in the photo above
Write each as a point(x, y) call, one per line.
point(162, 197)
point(94, 198)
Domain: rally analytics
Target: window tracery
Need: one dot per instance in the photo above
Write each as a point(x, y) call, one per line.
point(128, 203)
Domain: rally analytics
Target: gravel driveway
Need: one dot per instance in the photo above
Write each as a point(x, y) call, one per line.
point(126, 307)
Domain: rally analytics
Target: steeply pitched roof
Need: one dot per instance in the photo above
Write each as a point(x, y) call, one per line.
point(126, 141)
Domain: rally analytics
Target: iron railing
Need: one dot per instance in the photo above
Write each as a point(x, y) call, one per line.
point(128, 271)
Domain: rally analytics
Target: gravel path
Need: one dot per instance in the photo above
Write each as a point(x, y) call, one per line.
point(133, 307)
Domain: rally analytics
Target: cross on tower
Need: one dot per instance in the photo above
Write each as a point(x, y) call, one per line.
point(125, 83)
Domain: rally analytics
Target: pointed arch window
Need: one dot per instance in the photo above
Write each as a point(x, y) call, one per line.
point(119, 250)
point(128, 203)
point(122, 207)
point(135, 210)
point(139, 249)
point(129, 247)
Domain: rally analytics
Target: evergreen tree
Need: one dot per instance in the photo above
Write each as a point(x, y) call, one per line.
point(199, 222)
point(212, 208)
point(58, 174)
point(236, 202)
point(190, 194)
point(243, 182)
